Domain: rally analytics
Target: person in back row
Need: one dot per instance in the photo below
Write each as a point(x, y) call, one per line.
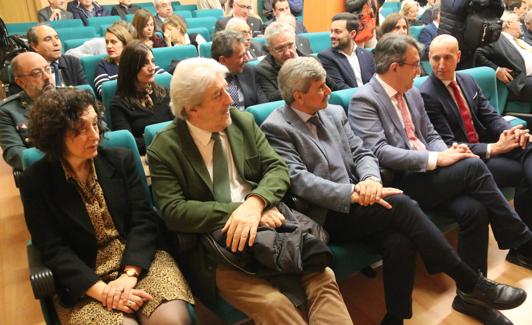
point(241, 9)
point(139, 101)
point(280, 8)
point(347, 64)
point(67, 70)
point(124, 8)
point(54, 12)
point(239, 25)
point(340, 181)
point(390, 117)
point(116, 38)
point(229, 49)
point(144, 24)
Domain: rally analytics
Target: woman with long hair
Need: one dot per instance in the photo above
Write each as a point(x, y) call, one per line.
point(144, 24)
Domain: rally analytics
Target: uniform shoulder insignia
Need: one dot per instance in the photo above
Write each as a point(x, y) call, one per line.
point(10, 99)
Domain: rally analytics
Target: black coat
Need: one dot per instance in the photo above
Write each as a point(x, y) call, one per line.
point(72, 72)
point(62, 231)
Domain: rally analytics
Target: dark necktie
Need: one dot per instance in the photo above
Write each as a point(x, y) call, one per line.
point(232, 89)
point(471, 133)
point(220, 171)
point(337, 169)
point(57, 73)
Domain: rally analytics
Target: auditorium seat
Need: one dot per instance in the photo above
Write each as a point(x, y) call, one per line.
point(216, 13)
point(318, 41)
point(164, 55)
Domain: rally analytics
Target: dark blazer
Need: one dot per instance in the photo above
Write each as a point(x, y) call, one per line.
point(426, 36)
point(120, 10)
point(72, 71)
point(182, 186)
point(307, 164)
point(445, 116)
point(256, 50)
point(527, 36)
point(254, 23)
point(158, 23)
point(80, 13)
point(248, 84)
point(303, 45)
point(267, 71)
point(340, 71)
point(45, 13)
point(373, 117)
point(61, 228)
point(503, 54)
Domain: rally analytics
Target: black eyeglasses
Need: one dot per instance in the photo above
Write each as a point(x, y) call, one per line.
point(38, 73)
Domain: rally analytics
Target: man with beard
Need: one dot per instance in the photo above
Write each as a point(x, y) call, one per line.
point(345, 63)
point(33, 74)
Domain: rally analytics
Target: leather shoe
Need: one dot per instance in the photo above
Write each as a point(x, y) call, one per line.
point(519, 259)
point(487, 316)
point(490, 294)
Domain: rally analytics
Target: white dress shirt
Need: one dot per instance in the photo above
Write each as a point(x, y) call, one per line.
point(204, 142)
point(526, 53)
point(355, 65)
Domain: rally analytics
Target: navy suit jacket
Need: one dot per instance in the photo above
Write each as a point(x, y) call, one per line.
point(426, 36)
point(252, 94)
point(339, 70)
point(445, 116)
point(72, 71)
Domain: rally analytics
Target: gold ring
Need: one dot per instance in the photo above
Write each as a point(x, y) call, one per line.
point(129, 303)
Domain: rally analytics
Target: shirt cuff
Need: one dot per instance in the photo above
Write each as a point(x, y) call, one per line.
point(488, 151)
point(433, 160)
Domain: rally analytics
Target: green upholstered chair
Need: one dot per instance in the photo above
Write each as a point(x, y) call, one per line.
point(261, 111)
point(147, 6)
point(86, 88)
point(164, 55)
point(205, 50)
point(107, 21)
point(207, 22)
point(184, 13)
point(508, 106)
point(19, 28)
point(66, 23)
point(387, 11)
point(73, 43)
point(178, 6)
point(342, 97)
point(76, 32)
point(201, 30)
point(216, 13)
point(395, 6)
point(415, 31)
point(150, 131)
point(318, 41)
point(89, 64)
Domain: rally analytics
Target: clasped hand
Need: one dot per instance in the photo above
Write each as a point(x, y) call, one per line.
point(369, 192)
point(121, 294)
point(510, 140)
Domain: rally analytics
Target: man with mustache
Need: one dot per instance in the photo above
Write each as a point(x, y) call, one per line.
point(33, 74)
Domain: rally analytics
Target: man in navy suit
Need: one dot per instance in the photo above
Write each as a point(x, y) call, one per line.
point(389, 115)
point(229, 48)
point(345, 63)
point(506, 151)
point(430, 31)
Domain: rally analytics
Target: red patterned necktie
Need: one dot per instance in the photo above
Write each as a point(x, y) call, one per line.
point(409, 125)
point(472, 136)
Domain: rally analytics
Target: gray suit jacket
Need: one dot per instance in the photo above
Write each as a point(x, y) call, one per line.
point(45, 13)
point(373, 117)
point(307, 164)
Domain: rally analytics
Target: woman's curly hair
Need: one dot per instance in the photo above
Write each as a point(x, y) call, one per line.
point(54, 113)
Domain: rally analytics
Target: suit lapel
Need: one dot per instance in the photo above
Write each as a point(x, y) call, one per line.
point(389, 109)
point(236, 140)
point(363, 63)
point(449, 105)
point(67, 198)
point(193, 155)
point(293, 119)
point(346, 67)
point(112, 187)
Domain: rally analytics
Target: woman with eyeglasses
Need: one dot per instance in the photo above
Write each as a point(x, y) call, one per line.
point(175, 33)
point(91, 219)
point(139, 101)
point(144, 24)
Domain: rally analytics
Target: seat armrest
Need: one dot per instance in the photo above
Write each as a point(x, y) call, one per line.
point(41, 277)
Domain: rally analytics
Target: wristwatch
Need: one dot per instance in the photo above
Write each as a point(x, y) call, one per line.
point(131, 273)
point(373, 178)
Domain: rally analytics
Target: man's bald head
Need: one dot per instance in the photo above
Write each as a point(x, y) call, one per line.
point(444, 55)
point(32, 73)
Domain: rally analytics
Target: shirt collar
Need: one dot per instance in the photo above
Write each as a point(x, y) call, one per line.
point(302, 115)
point(447, 82)
point(201, 136)
point(390, 91)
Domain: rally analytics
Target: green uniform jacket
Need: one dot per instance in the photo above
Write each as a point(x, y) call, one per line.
point(183, 188)
point(14, 115)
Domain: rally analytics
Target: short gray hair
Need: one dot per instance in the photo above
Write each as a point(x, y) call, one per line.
point(234, 23)
point(392, 48)
point(192, 77)
point(507, 18)
point(156, 3)
point(297, 74)
point(223, 42)
point(277, 28)
point(528, 16)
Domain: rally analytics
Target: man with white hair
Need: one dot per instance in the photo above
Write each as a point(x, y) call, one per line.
point(281, 45)
point(511, 57)
point(215, 175)
point(239, 25)
point(164, 10)
point(242, 9)
point(54, 12)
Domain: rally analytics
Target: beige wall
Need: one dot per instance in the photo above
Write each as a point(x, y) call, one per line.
point(27, 10)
